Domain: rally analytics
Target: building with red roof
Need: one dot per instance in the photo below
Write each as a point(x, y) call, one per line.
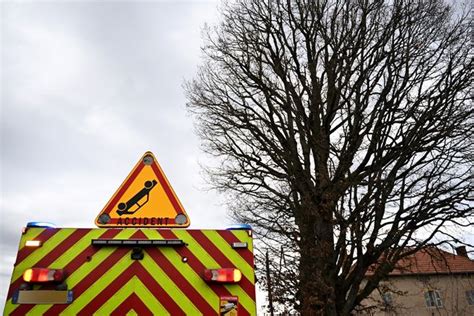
point(428, 282)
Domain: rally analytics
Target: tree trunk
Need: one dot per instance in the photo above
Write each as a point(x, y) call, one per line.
point(317, 278)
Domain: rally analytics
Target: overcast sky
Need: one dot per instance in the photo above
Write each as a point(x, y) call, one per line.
point(86, 88)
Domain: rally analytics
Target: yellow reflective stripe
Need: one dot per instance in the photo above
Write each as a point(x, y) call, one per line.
point(134, 285)
point(30, 313)
point(186, 271)
point(41, 252)
point(116, 299)
point(98, 286)
point(168, 286)
point(209, 262)
point(149, 299)
point(83, 271)
point(243, 236)
point(31, 234)
point(131, 313)
point(230, 253)
point(196, 248)
point(78, 247)
point(9, 307)
point(244, 298)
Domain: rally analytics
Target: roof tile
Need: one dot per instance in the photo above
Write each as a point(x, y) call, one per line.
point(431, 260)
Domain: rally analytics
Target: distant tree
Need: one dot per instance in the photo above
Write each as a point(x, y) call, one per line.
point(343, 131)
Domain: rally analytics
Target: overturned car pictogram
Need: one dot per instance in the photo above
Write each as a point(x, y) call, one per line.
point(124, 208)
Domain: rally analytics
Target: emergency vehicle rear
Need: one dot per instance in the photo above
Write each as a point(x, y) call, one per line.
point(142, 260)
point(143, 271)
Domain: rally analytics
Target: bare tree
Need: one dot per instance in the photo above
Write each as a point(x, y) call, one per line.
point(344, 135)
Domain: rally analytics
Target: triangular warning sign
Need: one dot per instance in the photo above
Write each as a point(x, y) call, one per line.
point(145, 199)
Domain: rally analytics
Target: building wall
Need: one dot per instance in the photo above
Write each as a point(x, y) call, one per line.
point(408, 296)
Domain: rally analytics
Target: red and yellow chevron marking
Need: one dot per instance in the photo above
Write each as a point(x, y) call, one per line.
point(106, 281)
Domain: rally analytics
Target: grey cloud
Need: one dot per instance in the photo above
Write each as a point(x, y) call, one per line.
point(87, 87)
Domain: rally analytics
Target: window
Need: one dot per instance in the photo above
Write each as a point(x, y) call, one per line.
point(470, 297)
point(433, 299)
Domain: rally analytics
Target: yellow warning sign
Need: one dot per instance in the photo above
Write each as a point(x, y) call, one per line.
point(145, 199)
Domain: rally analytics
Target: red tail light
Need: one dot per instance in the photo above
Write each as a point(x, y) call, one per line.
point(223, 275)
point(43, 275)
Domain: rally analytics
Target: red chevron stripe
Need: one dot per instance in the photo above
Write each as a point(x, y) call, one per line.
point(246, 254)
point(199, 268)
point(181, 282)
point(88, 280)
point(162, 296)
point(22, 309)
point(71, 266)
point(194, 263)
point(52, 255)
point(178, 279)
point(89, 251)
point(123, 188)
point(95, 274)
point(221, 259)
point(132, 302)
point(43, 236)
point(135, 269)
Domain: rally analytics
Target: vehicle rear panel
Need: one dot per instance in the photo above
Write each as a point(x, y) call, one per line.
point(106, 280)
